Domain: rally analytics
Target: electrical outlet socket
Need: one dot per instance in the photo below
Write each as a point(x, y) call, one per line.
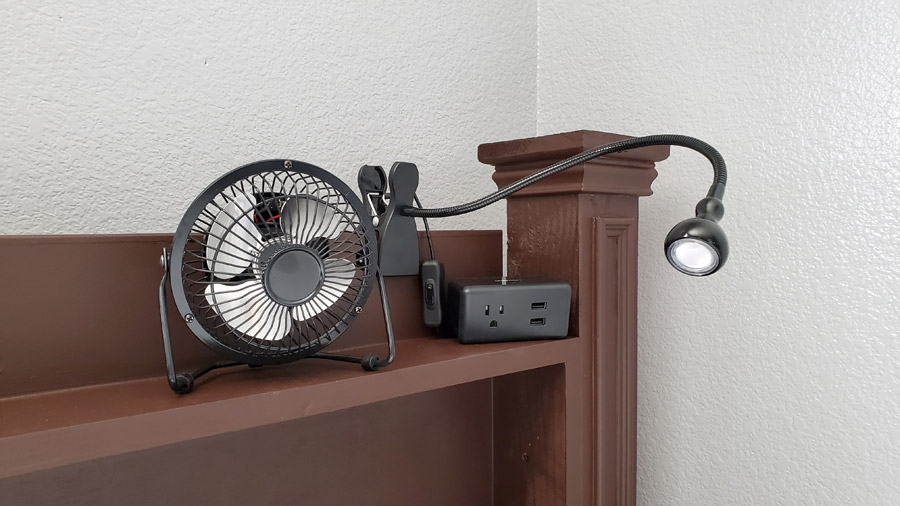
point(481, 311)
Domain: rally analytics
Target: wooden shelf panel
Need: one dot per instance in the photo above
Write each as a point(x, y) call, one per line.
point(105, 326)
point(52, 429)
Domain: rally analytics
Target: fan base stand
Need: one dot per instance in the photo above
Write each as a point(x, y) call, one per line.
point(182, 383)
point(369, 362)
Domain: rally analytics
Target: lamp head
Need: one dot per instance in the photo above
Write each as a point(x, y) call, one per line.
point(698, 246)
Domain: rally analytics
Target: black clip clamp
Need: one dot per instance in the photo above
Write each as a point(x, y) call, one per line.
point(398, 240)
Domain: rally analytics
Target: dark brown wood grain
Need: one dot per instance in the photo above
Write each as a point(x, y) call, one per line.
point(82, 310)
point(580, 226)
point(425, 449)
point(79, 425)
point(530, 438)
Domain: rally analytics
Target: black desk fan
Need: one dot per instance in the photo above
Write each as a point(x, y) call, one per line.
point(270, 264)
point(274, 260)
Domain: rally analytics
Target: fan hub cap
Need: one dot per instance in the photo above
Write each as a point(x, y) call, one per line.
point(291, 275)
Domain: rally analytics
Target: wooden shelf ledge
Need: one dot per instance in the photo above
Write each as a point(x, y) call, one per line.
point(52, 429)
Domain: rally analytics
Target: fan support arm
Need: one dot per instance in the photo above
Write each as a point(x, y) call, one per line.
point(180, 383)
point(369, 361)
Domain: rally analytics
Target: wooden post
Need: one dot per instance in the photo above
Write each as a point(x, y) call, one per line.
point(580, 226)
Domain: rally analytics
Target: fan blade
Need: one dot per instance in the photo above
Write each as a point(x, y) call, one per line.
point(233, 239)
point(305, 218)
point(246, 308)
point(339, 273)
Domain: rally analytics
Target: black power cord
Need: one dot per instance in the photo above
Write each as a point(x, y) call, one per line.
point(427, 230)
point(717, 189)
point(432, 277)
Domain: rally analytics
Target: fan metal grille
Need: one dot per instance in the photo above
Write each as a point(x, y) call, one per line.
point(241, 221)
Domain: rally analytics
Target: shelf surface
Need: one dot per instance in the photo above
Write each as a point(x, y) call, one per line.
point(51, 429)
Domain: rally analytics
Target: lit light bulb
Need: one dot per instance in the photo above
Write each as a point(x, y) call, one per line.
point(697, 246)
point(692, 256)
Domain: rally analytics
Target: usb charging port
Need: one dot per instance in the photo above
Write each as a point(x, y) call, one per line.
point(538, 306)
point(537, 321)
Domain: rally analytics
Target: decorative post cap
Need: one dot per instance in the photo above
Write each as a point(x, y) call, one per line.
point(626, 173)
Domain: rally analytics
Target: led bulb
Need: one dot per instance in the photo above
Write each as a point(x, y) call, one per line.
point(693, 256)
point(697, 247)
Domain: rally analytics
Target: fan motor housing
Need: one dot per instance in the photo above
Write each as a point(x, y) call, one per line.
point(292, 274)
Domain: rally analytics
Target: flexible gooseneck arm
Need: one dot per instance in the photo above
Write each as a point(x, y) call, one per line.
point(716, 191)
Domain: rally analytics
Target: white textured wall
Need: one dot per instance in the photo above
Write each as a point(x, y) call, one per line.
point(114, 115)
point(776, 381)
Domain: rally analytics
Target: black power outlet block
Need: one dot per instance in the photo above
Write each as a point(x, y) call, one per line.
point(489, 311)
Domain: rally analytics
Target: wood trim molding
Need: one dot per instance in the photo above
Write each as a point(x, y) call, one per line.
point(555, 147)
point(626, 173)
point(617, 288)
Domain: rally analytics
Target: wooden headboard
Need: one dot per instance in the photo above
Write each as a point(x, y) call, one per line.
point(86, 416)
